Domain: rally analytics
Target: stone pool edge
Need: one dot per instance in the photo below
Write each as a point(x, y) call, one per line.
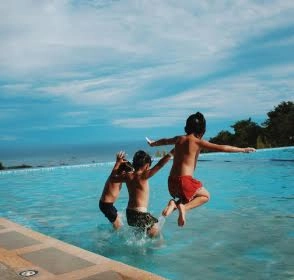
point(23, 249)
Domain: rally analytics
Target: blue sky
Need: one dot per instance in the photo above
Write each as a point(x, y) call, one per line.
point(79, 72)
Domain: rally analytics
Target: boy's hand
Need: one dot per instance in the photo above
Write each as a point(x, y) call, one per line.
point(120, 157)
point(249, 150)
point(150, 142)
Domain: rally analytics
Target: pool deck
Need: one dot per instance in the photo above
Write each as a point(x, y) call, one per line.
point(23, 249)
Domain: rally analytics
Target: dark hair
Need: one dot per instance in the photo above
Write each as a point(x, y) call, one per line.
point(140, 159)
point(125, 167)
point(195, 124)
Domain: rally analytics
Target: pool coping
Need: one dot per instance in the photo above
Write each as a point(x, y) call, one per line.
point(23, 249)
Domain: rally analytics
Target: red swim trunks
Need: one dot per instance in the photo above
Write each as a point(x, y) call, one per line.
point(183, 187)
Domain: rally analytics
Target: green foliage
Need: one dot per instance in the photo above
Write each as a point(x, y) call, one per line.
point(279, 127)
point(261, 142)
point(223, 138)
point(246, 133)
point(159, 154)
point(277, 130)
point(1, 166)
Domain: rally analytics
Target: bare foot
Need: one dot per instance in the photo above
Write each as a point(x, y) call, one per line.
point(171, 206)
point(153, 231)
point(117, 224)
point(182, 215)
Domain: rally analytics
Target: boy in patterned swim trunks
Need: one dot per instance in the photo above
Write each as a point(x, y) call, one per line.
point(138, 188)
point(181, 184)
point(112, 189)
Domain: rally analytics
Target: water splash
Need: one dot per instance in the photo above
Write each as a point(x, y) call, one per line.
point(161, 222)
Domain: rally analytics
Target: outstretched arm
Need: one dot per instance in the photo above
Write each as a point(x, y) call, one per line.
point(163, 161)
point(224, 148)
point(161, 142)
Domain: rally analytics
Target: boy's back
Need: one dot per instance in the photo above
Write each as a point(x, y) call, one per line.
point(138, 189)
point(185, 157)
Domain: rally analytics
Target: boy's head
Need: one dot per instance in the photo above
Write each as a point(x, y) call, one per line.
point(196, 124)
point(126, 167)
point(140, 159)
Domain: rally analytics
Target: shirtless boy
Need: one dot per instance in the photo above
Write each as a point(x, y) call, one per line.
point(181, 183)
point(112, 189)
point(138, 188)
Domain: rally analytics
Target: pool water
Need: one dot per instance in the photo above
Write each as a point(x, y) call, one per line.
point(244, 232)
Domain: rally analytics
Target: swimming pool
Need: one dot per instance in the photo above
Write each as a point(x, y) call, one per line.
point(244, 232)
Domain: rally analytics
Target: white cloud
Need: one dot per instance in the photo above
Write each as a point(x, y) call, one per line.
point(145, 122)
point(17, 87)
point(38, 37)
point(246, 95)
point(114, 89)
point(8, 138)
point(103, 91)
point(74, 114)
point(10, 113)
point(113, 54)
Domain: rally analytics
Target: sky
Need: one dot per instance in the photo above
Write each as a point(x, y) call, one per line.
point(84, 72)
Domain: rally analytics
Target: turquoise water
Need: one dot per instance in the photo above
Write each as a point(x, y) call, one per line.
point(244, 232)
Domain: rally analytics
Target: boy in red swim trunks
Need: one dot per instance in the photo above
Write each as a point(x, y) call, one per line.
point(181, 184)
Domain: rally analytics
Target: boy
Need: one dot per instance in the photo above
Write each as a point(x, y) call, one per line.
point(112, 189)
point(181, 183)
point(138, 188)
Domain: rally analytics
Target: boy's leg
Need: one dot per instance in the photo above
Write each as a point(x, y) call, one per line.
point(201, 197)
point(117, 224)
point(171, 206)
point(153, 231)
point(110, 212)
point(182, 215)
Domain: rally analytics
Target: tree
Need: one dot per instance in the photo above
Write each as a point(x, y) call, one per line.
point(276, 131)
point(262, 141)
point(223, 138)
point(279, 127)
point(246, 133)
point(1, 166)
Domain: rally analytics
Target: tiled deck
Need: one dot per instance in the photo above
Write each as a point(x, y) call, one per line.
point(23, 249)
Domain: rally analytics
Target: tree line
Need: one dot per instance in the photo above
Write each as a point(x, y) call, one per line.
point(276, 131)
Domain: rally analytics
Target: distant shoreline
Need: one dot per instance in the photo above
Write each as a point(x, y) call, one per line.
point(22, 166)
point(82, 162)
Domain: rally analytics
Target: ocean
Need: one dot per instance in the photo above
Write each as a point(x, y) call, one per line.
point(71, 154)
